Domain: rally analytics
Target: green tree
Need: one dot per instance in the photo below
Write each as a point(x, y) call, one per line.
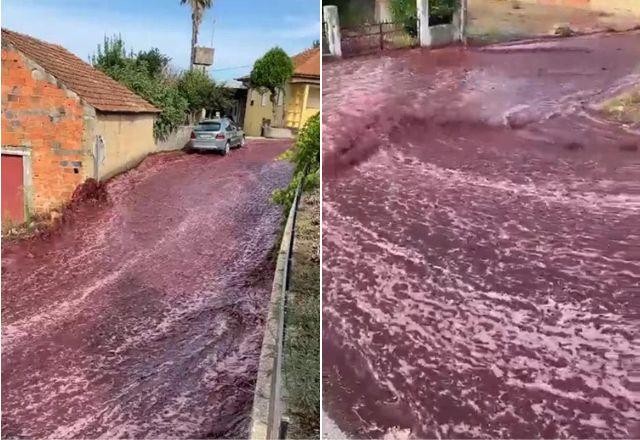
point(110, 55)
point(197, 13)
point(271, 73)
point(143, 75)
point(201, 92)
point(155, 62)
point(305, 155)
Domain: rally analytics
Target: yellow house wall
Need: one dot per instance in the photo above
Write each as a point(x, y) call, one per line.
point(296, 114)
point(255, 113)
point(298, 111)
point(128, 139)
point(310, 110)
point(294, 105)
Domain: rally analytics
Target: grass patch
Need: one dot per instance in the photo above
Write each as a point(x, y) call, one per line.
point(302, 344)
point(624, 108)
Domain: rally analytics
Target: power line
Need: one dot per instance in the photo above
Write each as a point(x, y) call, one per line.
point(230, 68)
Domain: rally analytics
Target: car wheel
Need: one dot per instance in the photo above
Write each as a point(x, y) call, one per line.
point(227, 147)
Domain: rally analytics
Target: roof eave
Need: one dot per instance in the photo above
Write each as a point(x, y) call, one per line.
point(312, 79)
point(128, 110)
point(6, 42)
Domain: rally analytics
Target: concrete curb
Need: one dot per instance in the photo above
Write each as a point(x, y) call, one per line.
point(267, 409)
point(278, 133)
point(261, 138)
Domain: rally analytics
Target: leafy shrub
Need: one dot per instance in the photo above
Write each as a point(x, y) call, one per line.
point(305, 155)
point(155, 62)
point(405, 11)
point(143, 74)
point(201, 92)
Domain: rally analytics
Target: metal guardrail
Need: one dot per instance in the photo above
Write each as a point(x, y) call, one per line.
point(266, 414)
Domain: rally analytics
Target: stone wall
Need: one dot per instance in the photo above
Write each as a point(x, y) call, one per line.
point(177, 140)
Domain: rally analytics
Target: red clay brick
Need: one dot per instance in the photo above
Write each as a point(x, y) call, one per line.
point(99, 90)
point(52, 183)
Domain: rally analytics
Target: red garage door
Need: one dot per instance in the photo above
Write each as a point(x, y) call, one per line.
point(12, 189)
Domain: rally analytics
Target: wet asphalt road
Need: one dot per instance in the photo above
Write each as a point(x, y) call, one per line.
point(481, 244)
point(143, 318)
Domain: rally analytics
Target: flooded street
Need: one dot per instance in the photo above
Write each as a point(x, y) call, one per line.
point(481, 242)
point(144, 317)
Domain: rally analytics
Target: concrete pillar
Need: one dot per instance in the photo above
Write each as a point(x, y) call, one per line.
point(332, 23)
point(464, 19)
point(305, 98)
point(423, 22)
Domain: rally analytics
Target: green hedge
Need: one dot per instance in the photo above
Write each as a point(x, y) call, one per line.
point(305, 154)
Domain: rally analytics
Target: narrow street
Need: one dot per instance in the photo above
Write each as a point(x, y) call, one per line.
point(143, 317)
point(480, 242)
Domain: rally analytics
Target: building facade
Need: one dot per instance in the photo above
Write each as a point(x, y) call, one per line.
point(62, 122)
point(301, 99)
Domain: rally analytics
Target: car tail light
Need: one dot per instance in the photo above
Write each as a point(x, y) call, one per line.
point(219, 136)
point(193, 135)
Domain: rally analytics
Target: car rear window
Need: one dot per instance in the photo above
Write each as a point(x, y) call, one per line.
point(208, 126)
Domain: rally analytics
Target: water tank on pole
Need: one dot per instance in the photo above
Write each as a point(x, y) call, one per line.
point(203, 56)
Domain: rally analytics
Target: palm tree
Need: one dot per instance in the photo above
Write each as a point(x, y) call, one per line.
point(197, 12)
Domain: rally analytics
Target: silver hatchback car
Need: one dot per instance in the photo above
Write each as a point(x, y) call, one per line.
point(217, 135)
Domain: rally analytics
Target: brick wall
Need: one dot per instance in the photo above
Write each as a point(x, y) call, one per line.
point(41, 116)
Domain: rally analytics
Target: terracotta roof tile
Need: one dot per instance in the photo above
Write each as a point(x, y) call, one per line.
point(307, 63)
point(96, 88)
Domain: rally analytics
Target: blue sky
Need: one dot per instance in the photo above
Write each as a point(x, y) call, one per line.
point(243, 29)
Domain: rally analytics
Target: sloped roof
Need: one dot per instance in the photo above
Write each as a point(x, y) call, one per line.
point(95, 87)
point(307, 63)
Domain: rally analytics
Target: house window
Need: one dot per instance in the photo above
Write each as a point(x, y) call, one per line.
point(313, 99)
